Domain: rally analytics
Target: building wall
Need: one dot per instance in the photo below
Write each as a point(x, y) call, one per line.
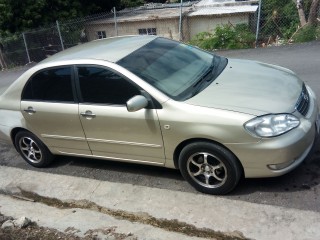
point(165, 27)
point(92, 29)
point(198, 24)
point(169, 28)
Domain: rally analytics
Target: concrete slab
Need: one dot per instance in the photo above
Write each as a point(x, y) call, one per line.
point(84, 222)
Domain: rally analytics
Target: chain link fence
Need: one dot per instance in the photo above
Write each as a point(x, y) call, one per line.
point(210, 24)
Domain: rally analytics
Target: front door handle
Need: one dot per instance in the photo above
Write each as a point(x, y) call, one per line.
point(88, 114)
point(30, 110)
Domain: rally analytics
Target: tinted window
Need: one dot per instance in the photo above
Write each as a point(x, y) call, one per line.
point(50, 85)
point(99, 85)
point(172, 67)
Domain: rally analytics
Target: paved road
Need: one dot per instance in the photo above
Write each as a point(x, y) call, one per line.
point(6, 77)
point(299, 189)
point(303, 59)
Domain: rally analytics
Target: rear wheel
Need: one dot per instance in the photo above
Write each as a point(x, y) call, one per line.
point(32, 149)
point(209, 167)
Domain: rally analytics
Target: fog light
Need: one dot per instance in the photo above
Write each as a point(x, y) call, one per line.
point(280, 165)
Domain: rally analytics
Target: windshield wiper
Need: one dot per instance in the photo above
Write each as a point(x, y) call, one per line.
point(205, 75)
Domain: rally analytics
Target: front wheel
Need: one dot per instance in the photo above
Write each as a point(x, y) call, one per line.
point(32, 149)
point(209, 168)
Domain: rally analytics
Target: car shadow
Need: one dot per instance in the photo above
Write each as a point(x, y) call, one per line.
point(116, 166)
point(305, 177)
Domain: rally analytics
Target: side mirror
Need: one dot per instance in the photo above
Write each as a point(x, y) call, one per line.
point(136, 103)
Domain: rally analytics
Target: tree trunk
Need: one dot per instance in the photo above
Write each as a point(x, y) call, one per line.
point(313, 14)
point(302, 16)
point(2, 61)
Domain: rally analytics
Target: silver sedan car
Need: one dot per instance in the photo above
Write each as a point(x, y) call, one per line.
point(151, 100)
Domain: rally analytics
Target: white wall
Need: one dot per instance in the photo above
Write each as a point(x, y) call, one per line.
point(165, 27)
point(199, 24)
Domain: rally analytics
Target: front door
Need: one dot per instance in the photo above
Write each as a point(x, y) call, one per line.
point(111, 131)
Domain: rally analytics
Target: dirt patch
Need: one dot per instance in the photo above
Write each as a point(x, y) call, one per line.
point(31, 232)
point(144, 218)
point(34, 232)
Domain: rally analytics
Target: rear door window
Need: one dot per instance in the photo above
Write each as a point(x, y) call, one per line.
point(52, 85)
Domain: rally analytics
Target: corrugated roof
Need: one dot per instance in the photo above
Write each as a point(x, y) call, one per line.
point(223, 10)
point(145, 15)
point(211, 2)
point(204, 7)
point(215, 3)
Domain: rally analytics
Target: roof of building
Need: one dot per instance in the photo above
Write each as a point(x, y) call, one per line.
point(169, 11)
point(224, 10)
point(108, 49)
point(221, 3)
point(145, 15)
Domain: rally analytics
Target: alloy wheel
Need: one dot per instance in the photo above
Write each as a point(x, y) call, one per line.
point(30, 149)
point(207, 169)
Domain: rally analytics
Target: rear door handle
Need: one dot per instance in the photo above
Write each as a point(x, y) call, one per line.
point(88, 114)
point(30, 110)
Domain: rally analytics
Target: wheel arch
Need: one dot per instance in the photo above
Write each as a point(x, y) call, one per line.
point(179, 148)
point(14, 132)
point(34, 152)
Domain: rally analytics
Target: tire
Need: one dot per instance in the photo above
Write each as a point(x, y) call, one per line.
point(210, 168)
point(32, 149)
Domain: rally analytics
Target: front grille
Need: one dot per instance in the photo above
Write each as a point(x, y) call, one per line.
point(302, 105)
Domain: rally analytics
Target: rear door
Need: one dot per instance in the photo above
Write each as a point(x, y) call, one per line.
point(51, 112)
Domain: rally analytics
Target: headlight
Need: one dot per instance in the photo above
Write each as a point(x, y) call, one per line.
point(271, 125)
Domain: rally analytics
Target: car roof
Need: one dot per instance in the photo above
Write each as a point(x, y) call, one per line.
point(108, 49)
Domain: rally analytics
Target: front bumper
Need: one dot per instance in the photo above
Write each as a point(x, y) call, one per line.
point(276, 156)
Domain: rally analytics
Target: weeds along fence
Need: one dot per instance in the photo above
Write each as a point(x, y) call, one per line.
point(211, 25)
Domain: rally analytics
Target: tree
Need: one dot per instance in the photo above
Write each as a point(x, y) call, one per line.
point(309, 24)
point(313, 6)
point(314, 9)
point(19, 15)
point(302, 16)
point(131, 3)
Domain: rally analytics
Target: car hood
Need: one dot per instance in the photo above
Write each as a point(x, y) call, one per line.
point(251, 87)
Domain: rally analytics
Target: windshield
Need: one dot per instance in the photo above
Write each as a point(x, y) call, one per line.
point(170, 66)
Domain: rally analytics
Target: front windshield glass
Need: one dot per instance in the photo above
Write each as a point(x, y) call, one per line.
point(169, 66)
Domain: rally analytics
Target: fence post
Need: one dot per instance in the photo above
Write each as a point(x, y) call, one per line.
point(115, 20)
point(60, 36)
point(258, 22)
point(180, 22)
point(26, 46)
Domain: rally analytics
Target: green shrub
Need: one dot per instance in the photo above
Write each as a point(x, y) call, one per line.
point(318, 33)
point(204, 40)
point(225, 37)
point(307, 33)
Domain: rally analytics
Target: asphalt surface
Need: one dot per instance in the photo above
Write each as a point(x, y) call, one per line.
point(299, 189)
